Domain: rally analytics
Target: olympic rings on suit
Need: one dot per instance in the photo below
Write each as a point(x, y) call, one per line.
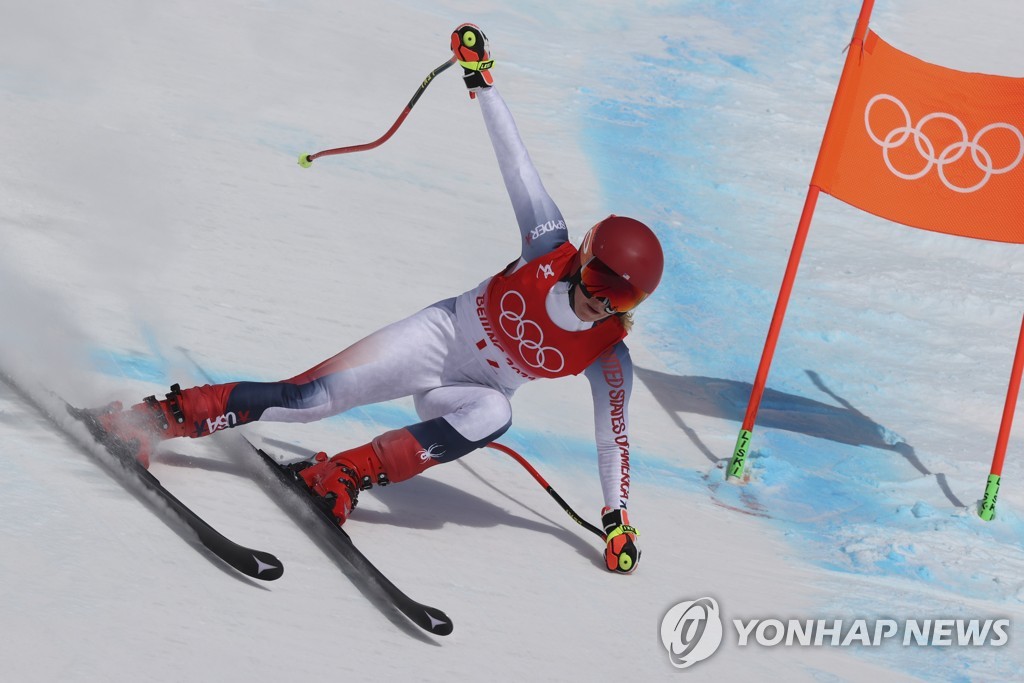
point(529, 335)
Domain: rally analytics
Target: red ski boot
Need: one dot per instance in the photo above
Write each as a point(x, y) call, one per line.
point(193, 412)
point(335, 481)
point(392, 457)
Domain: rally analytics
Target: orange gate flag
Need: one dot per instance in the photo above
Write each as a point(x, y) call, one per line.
point(926, 146)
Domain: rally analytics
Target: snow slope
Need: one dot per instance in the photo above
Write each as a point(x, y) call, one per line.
point(152, 215)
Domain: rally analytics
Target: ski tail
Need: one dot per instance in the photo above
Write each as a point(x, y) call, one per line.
point(256, 564)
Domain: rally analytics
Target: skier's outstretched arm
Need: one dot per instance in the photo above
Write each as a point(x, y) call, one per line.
point(611, 382)
point(540, 222)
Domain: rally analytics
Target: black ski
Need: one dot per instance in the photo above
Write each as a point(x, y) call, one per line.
point(254, 563)
point(428, 618)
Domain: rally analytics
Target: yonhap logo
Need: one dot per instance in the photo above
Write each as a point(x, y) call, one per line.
point(691, 632)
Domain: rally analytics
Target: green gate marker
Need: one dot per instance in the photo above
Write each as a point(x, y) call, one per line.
point(739, 456)
point(988, 501)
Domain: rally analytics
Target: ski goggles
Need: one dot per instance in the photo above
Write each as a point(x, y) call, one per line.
point(598, 281)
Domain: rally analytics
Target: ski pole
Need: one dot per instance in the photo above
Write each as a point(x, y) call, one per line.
point(987, 510)
point(547, 487)
point(306, 160)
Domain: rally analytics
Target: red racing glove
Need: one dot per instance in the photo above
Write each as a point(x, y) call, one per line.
point(620, 553)
point(470, 47)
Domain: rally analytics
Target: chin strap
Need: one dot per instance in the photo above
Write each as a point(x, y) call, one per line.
point(574, 280)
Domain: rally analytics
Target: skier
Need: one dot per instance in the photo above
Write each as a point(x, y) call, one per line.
point(552, 312)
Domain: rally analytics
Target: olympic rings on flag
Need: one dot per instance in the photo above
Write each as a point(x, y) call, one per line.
point(952, 152)
point(529, 335)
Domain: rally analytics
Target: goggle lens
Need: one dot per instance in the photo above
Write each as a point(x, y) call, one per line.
point(599, 281)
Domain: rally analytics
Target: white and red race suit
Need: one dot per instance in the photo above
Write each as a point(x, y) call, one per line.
point(519, 332)
point(463, 358)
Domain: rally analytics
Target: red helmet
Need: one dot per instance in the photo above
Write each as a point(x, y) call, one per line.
point(621, 261)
